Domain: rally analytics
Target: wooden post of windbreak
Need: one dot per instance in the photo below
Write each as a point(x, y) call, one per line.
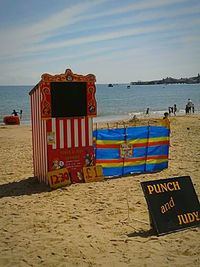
point(95, 142)
point(125, 139)
point(146, 150)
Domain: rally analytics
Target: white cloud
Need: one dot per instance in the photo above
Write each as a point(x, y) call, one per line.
point(31, 39)
point(113, 35)
point(136, 6)
point(27, 52)
point(17, 39)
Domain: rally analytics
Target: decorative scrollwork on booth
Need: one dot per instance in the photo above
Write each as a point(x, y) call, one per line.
point(45, 101)
point(68, 76)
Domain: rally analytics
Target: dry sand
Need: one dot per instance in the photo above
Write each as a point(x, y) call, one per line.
point(87, 224)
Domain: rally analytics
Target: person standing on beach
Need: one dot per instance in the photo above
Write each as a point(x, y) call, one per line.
point(147, 111)
point(189, 104)
point(186, 109)
point(20, 113)
point(166, 121)
point(14, 113)
point(175, 109)
point(170, 110)
point(192, 108)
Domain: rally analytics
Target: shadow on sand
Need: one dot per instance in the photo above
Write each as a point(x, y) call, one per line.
point(144, 234)
point(27, 186)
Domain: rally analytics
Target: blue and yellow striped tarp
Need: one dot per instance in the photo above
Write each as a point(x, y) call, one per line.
point(149, 145)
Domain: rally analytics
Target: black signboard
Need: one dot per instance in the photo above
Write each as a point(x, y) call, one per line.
point(173, 204)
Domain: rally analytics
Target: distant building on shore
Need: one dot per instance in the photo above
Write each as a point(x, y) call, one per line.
point(170, 80)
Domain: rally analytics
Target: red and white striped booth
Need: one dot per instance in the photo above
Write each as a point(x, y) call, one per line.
point(62, 110)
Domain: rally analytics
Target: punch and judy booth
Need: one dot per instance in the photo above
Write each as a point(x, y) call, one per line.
point(62, 110)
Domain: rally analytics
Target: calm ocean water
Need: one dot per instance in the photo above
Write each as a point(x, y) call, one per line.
point(115, 102)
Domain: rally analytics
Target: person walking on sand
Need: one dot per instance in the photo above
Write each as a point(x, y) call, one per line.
point(175, 109)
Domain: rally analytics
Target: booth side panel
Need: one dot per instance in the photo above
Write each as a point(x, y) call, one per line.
point(33, 134)
point(39, 138)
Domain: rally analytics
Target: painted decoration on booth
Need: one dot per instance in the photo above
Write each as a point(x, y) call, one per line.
point(51, 138)
point(69, 82)
point(74, 159)
point(71, 157)
point(45, 100)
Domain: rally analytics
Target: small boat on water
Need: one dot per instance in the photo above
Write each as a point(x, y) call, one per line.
point(11, 120)
point(110, 85)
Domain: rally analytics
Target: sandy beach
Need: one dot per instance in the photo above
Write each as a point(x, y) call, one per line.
point(88, 224)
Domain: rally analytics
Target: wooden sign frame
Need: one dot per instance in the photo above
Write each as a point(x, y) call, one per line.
point(59, 178)
point(93, 174)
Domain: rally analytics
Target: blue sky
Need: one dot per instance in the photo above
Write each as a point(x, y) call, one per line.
point(118, 41)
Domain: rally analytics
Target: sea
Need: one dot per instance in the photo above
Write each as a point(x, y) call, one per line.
point(122, 101)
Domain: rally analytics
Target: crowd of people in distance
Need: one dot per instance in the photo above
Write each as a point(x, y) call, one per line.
point(188, 110)
point(173, 109)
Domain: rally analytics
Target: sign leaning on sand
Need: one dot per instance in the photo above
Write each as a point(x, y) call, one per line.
point(173, 204)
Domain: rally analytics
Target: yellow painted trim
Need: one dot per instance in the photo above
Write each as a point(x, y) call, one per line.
point(139, 162)
point(150, 140)
point(156, 161)
point(109, 142)
point(135, 141)
point(112, 165)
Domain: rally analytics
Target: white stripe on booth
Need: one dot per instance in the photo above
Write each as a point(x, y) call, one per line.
point(61, 134)
point(75, 132)
point(69, 142)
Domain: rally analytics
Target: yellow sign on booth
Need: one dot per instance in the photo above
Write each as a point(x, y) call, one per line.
point(93, 174)
point(59, 178)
